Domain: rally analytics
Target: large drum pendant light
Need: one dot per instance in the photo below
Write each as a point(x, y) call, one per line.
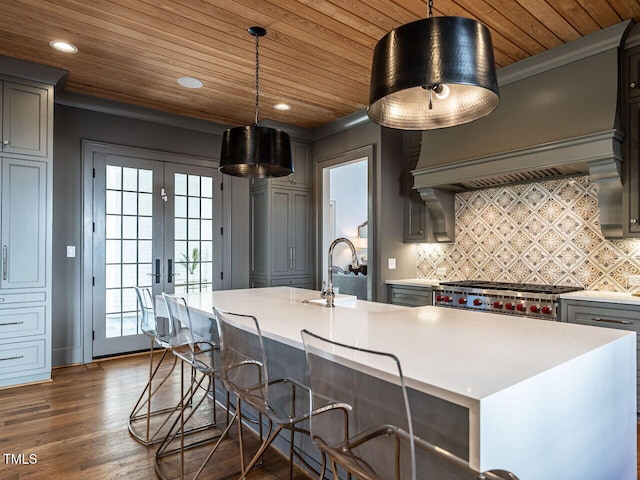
point(255, 151)
point(433, 73)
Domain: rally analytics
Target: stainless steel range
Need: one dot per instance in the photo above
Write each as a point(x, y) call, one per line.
point(525, 300)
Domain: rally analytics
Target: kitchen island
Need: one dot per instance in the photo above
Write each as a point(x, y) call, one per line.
point(541, 399)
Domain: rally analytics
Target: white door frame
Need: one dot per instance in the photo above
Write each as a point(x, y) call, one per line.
point(89, 150)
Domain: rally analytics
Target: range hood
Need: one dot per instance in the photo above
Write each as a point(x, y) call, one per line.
point(558, 115)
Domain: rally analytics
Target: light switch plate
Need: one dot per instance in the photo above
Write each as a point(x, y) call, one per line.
point(392, 263)
point(634, 280)
point(71, 251)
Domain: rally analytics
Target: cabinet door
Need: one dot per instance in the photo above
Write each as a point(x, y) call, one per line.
point(24, 223)
point(280, 225)
point(259, 231)
point(302, 175)
point(24, 120)
point(634, 168)
point(300, 233)
point(415, 210)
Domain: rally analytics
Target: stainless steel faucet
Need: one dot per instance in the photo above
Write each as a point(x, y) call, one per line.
point(327, 293)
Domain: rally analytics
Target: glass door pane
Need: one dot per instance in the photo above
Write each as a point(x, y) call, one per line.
point(125, 214)
point(194, 216)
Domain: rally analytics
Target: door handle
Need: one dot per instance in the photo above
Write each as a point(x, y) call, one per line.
point(157, 274)
point(4, 262)
point(170, 273)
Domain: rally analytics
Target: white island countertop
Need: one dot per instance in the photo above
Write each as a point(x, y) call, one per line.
point(533, 380)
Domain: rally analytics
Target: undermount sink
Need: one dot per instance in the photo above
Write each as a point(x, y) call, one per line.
point(347, 301)
point(352, 301)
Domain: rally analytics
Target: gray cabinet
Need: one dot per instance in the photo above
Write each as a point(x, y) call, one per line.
point(25, 119)
point(607, 315)
point(25, 233)
point(302, 177)
point(416, 222)
point(23, 226)
point(631, 123)
point(282, 229)
point(409, 295)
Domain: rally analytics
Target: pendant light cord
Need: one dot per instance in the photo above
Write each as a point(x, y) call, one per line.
point(430, 8)
point(257, 78)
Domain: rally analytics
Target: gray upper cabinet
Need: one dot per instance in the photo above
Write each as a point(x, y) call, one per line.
point(416, 216)
point(23, 232)
point(416, 219)
point(631, 122)
point(26, 179)
point(24, 120)
point(411, 142)
point(302, 176)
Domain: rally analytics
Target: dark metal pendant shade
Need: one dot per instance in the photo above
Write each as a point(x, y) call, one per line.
point(433, 73)
point(255, 151)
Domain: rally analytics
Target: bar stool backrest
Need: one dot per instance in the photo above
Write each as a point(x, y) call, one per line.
point(372, 437)
point(243, 359)
point(148, 323)
point(180, 328)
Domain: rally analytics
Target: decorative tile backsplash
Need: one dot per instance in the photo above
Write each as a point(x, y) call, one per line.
point(545, 232)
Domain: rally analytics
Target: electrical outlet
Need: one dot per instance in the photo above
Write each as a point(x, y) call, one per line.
point(634, 280)
point(391, 263)
point(442, 271)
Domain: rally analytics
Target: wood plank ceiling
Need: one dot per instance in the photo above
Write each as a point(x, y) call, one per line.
point(316, 55)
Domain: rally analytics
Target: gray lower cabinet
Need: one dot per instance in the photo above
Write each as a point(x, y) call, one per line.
point(25, 233)
point(409, 295)
point(608, 315)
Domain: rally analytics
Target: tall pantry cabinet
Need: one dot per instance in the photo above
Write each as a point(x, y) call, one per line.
point(26, 181)
point(281, 226)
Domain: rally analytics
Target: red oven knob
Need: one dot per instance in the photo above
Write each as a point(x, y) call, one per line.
point(448, 299)
point(510, 306)
point(462, 300)
point(547, 310)
point(521, 307)
point(534, 308)
point(497, 304)
point(438, 298)
point(477, 302)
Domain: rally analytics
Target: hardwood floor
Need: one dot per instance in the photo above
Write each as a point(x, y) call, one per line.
point(75, 427)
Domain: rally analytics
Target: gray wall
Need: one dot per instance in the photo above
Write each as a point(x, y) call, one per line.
point(72, 125)
point(387, 166)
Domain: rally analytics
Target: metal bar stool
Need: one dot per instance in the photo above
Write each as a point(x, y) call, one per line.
point(143, 412)
point(201, 356)
point(283, 401)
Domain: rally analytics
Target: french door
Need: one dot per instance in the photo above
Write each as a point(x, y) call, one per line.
point(153, 227)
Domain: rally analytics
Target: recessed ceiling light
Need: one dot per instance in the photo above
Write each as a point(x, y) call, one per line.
point(64, 47)
point(190, 82)
point(282, 106)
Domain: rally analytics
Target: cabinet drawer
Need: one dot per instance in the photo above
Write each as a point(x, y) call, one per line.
point(599, 317)
point(8, 298)
point(22, 322)
point(410, 297)
point(22, 358)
